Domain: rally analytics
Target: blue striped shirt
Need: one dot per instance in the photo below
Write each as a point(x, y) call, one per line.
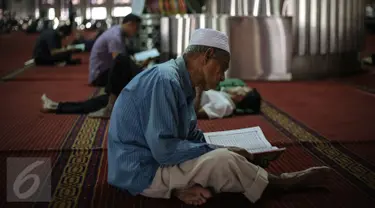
point(153, 124)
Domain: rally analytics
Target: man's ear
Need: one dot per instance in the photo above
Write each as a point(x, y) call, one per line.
point(208, 54)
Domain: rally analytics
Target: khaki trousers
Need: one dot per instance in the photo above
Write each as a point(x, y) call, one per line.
point(221, 169)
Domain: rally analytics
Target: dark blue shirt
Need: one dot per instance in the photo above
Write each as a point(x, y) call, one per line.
point(48, 40)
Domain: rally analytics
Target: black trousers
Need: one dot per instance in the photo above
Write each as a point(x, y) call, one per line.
point(102, 79)
point(52, 60)
point(123, 71)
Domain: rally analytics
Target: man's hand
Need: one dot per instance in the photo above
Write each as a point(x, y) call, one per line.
point(242, 152)
point(255, 159)
point(197, 100)
point(145, 63)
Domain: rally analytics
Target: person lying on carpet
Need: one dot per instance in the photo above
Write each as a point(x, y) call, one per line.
point(112, 42)
point(48, 48)
point(214, 104)
point(155, 148)
point(88, 42)
point(123, 70)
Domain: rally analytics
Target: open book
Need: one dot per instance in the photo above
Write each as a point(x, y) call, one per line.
point(144, 55)
point(78, 47)
point(252, 139)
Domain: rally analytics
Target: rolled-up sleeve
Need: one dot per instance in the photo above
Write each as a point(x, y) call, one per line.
point(161, 131)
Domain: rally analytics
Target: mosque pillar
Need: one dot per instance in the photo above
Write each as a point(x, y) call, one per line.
point(326, 35)
point(3, 5)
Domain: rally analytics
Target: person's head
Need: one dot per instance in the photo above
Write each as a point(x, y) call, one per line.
point(245, 98)
point(207, 58)
point(64, 31)
point(130, 24)
point(237, 94)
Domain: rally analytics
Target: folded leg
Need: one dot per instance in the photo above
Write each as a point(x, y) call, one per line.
point(220, 170)
point(224, 171)
point(65, 57)
point(83, 107)
point(123, 71)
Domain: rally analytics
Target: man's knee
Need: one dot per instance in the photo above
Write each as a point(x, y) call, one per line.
point(219, 158)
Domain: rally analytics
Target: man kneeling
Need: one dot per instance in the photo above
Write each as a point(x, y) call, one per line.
point(155, 148)
point(48, 49)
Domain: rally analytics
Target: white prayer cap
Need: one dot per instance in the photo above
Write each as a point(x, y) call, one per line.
point(211, 38)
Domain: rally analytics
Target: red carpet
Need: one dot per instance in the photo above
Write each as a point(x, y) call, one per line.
point(23, 126)
point(15, 50)
point(62, 73)
point(365, 82)
point(338, 112)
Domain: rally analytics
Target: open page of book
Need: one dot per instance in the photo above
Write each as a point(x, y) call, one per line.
point(138, 7)
point(144, 55)
point(252, 139)
point(77, 46)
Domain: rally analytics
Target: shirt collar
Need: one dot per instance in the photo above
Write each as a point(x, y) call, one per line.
point(187, 85)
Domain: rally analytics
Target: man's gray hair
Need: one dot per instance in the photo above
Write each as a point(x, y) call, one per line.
point(202, 49)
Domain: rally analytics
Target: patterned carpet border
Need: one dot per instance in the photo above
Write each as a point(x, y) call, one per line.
point(354, 168)
point(77, 126)
point(313, 136)
point(86, 134)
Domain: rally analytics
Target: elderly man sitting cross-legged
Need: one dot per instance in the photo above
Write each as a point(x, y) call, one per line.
point(155, 148)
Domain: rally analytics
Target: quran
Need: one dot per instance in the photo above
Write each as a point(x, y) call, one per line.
point(252, 139)
point(144, 55)
point(78, 47)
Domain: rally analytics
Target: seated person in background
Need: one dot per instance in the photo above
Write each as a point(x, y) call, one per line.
point(48, 48)
point(155, 148)
point(123, 70)
point(112, 42)
point(213, 104)
point(88, 42)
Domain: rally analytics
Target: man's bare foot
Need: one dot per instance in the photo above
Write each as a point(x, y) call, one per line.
point(48, 105)
point(308, 177)
point(196, 195)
